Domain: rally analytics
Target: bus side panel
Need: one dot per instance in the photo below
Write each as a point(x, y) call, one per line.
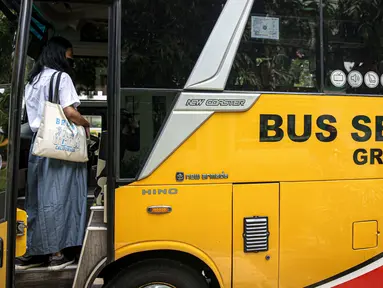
point(327, 228)
point(255, 269)
point(287, 138)
point(201, 217)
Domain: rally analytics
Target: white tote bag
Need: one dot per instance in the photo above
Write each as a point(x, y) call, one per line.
point(57, 137)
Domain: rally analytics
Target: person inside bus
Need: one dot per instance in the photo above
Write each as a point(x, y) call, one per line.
point(56, 198)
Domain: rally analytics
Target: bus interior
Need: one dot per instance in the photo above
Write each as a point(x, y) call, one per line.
point(86, 27)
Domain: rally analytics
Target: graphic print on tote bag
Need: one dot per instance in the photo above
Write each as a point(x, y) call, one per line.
point(64, 139)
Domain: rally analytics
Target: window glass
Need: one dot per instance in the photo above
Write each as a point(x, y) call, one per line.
point(95, 122)
point(279, 49)
point(4, 105)
point(162, 40)
point(353, 46)
point(142, 115)
point(91, 77)
point(7, 32)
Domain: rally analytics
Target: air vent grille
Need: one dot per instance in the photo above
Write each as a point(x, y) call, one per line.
point(256, 234)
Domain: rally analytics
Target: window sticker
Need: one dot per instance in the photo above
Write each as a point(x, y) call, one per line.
point(338, 78)
point(355, 79)
point(371, 79)
point(265, 27)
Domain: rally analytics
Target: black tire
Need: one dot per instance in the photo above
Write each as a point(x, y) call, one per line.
point(166, 272)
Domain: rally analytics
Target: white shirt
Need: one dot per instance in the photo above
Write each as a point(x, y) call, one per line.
point(37, 93)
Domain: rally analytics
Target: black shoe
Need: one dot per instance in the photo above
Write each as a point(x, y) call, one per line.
point(26, 262)
point(59, 262)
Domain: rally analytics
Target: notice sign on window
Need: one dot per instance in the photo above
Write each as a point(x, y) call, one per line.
point(264, 27)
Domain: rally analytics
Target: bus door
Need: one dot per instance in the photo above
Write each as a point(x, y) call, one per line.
point(30, 32)
point(12, 220)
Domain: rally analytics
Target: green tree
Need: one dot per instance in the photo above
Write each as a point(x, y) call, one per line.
point(4, 108)
point(7, 32)
point(161, 40)
point(289, 62)
point(85, 73)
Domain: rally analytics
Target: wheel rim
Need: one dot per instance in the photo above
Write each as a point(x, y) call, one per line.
point(157, 285)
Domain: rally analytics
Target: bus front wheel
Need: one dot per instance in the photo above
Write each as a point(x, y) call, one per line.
point(158, 274)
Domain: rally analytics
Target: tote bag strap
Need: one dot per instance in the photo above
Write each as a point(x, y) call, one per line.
point(54, 95)
point(51, 87)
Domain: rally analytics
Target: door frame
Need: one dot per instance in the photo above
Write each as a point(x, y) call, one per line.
point(113, 88)
point(17, 93)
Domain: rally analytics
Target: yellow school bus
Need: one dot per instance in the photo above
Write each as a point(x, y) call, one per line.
point(241, 142)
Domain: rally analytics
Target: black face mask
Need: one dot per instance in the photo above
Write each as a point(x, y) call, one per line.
point(71, 62)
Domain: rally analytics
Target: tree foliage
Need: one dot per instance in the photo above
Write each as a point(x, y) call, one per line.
point(161, 40)
point(4, 112)
point(85, 73)
point(351, 33)
point(7, 32)
point(268, 64)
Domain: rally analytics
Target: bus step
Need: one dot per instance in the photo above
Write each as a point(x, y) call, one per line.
point(41, 277)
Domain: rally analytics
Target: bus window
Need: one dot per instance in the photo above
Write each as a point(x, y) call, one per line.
point(7, 30)
point(353, 47)
point(279, 49)
point(161, 42)
point(91, 77)
point(142, 116)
